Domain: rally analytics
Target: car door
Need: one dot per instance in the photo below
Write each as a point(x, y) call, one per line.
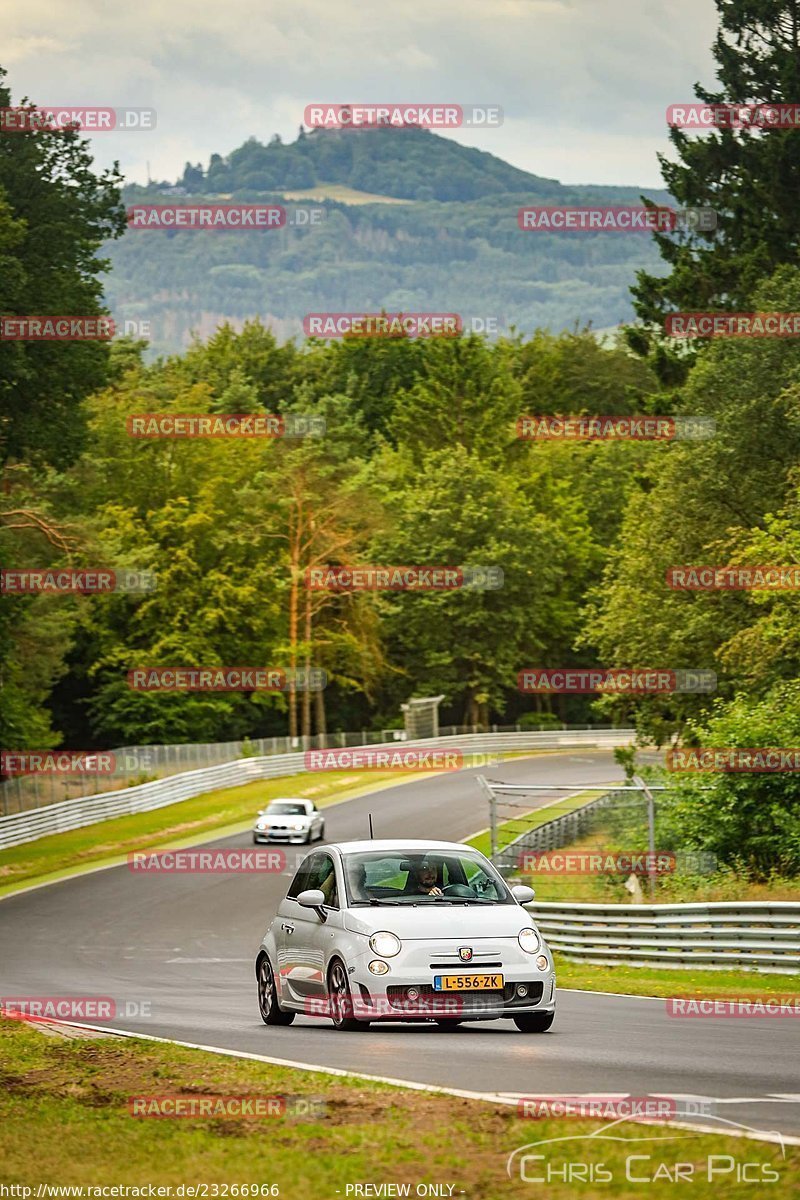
point(303, 959)
point(324, 936)
point(285, 931)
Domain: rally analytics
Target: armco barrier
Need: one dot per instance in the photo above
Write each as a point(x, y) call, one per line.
point(87, 810)
point(758, 935)
point(141, 764)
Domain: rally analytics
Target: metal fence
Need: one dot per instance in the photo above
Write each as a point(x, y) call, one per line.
point(552, 834)
point(718, 935)
point(16, 828)
point(141, 764)
point(758, 935)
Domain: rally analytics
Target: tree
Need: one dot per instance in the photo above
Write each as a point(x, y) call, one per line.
point(698, 504)
point(55, 214)
point(750, 177)
point(250, 358)
point(193, 178)
point(455, 507)
point(749, 820)
point(321, 513)
point(766, 650)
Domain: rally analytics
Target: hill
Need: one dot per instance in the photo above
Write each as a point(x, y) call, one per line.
point(452, 245)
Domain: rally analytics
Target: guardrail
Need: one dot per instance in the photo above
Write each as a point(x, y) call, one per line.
point(139, 764)
point(759, 935)
point(18, 828)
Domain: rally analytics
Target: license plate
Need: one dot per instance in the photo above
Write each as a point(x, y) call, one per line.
point(467, 983)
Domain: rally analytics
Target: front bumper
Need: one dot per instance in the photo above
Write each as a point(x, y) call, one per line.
point(395, 1005)
point(385, 997)
point(289, 837)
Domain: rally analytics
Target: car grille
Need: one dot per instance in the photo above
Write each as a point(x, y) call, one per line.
point(459, 962)
point(472, 1002)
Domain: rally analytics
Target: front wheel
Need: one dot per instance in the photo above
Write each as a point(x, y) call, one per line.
point(340, 1001)
point(534, 1022)
point(271, 1012)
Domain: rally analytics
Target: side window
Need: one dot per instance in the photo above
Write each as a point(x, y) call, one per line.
point(318, 871)
point(323, 876)
point(300, 882)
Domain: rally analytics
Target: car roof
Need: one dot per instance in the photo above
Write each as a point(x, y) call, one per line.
point(397, 844)
point(290, 800)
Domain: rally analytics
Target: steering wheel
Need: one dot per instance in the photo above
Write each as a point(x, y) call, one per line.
point(459, 889)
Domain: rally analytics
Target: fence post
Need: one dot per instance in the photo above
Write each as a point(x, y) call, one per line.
point(487, 791)
point(651, 833)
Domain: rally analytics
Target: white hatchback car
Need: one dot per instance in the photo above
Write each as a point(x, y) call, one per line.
point(293, 821)
point(404, 931)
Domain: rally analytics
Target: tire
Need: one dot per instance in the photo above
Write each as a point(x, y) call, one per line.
point(340, 999)
point(307, 841)
point(534, 1022)
point(271, 1012)
point(321, 832)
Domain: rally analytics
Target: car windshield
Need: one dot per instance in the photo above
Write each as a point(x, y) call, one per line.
point(377, 877)
point(286, 808)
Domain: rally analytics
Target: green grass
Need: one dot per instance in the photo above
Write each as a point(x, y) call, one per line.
point(666, 981)
point(670, 888)
point(342, 193)
point(64, 1120)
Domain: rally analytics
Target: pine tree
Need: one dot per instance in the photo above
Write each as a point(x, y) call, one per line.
point(750, 176)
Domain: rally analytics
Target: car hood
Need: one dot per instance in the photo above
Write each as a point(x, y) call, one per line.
point(440, 921)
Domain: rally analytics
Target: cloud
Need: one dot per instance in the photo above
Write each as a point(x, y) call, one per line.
point(583, 85)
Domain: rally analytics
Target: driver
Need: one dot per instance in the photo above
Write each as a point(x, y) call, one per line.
point(422, 879)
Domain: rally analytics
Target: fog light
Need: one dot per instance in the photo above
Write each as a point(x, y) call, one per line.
point(522, 989)
point(377, 967)
point(542, 962)
point(412, 993)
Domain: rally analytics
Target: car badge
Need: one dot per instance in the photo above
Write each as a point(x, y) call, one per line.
point(465, 953)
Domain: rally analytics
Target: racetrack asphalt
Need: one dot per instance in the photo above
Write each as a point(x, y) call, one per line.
point(183, 946)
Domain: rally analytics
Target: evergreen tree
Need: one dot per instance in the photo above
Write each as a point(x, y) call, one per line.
point(750, 175)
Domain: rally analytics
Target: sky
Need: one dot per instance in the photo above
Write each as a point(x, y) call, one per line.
point(583, 84)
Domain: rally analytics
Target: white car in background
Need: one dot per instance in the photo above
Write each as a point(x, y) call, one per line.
point(293, 821)
point(404, 931)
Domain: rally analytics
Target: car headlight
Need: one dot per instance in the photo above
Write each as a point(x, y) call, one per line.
point(542, 962)
point(262, 824)
point(298, 825)
point(385, 944)
point(529, 940)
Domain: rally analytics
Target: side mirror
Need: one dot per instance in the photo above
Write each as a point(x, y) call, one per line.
point(313, 898)
point(521, 893)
